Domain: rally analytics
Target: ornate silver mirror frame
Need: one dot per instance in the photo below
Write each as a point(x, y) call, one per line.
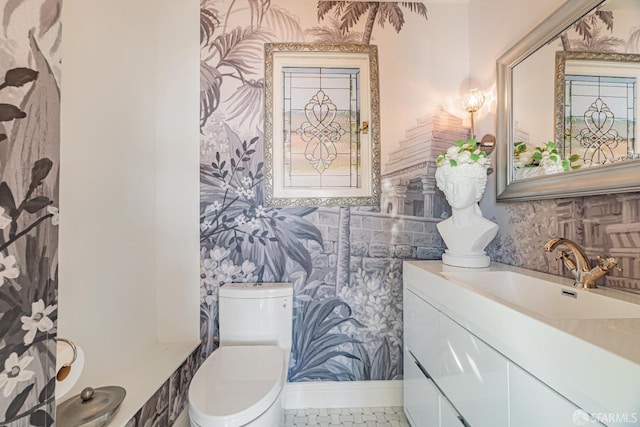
point(621, 177)
point(322, 125)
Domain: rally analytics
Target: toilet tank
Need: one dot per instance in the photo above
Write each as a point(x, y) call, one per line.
point(251, 313)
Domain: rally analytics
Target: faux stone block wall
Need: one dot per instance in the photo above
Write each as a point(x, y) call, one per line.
point(377, 240)
point(606, 225)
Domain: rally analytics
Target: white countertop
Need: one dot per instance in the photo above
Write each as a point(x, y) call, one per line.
point(593, 362)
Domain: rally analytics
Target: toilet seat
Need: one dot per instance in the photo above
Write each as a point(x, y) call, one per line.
point(236, 384)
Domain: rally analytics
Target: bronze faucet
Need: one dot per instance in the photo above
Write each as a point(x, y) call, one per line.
point(585, 276)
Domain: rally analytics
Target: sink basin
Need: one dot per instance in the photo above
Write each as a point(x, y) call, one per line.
point(546, 298)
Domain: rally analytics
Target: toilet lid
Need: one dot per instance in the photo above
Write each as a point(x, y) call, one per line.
point(236, 384)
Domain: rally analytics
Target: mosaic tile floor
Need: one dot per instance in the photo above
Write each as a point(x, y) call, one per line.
point(346, 417)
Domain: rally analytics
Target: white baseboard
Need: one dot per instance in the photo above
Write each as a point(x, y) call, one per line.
point(183, 418)
point(343, 394)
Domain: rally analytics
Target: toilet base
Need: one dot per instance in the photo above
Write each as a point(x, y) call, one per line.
point(272, 417)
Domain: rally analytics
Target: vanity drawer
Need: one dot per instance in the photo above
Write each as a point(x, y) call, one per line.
point(448, 416)
point(421, 396)
point(533, 403)
point(421, 331)
point(473, 376)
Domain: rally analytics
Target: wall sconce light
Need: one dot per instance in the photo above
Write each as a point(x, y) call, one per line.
point(472, 101)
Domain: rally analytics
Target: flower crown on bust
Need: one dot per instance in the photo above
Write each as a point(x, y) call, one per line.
point(464, 153)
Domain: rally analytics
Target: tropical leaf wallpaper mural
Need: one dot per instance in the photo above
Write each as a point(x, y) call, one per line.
point(346, 262)
point(348, 291)
point(29, 170)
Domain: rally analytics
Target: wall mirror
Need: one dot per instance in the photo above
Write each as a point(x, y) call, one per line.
point(567, 104)
point(322, 143)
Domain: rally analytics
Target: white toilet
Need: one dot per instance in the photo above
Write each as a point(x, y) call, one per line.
point(242, 383)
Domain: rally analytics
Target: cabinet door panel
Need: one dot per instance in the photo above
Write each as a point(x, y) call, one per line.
point(448, 415)
point(420, 396)
point(421, 331)
point(533, 404)
point(473, 376)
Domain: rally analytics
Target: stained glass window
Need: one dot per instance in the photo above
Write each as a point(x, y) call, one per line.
point(322, 126)
point(321, 135)
point(600, 118)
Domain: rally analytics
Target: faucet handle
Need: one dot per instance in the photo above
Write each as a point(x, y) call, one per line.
point(562, 255)
point(608, 263)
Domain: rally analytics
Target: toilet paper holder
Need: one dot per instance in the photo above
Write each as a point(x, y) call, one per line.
point(65, 369)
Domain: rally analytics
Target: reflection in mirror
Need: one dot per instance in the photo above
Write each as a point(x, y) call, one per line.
point(557, 120)
point(596, 96)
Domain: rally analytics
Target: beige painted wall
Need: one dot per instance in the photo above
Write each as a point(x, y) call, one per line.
point(129, 237)
point(436, 74)
point(495, 26)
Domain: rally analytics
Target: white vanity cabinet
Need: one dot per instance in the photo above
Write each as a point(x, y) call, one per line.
point(424, 405)
point(421, 401)
point(422, 332)
point(473, 376)
point(533, 404)
point(449, 417)
point(485, 388)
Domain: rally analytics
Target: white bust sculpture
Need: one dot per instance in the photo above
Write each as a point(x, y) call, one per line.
point(466, 233)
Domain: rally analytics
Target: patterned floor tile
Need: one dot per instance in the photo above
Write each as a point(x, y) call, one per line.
point(346, 417)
